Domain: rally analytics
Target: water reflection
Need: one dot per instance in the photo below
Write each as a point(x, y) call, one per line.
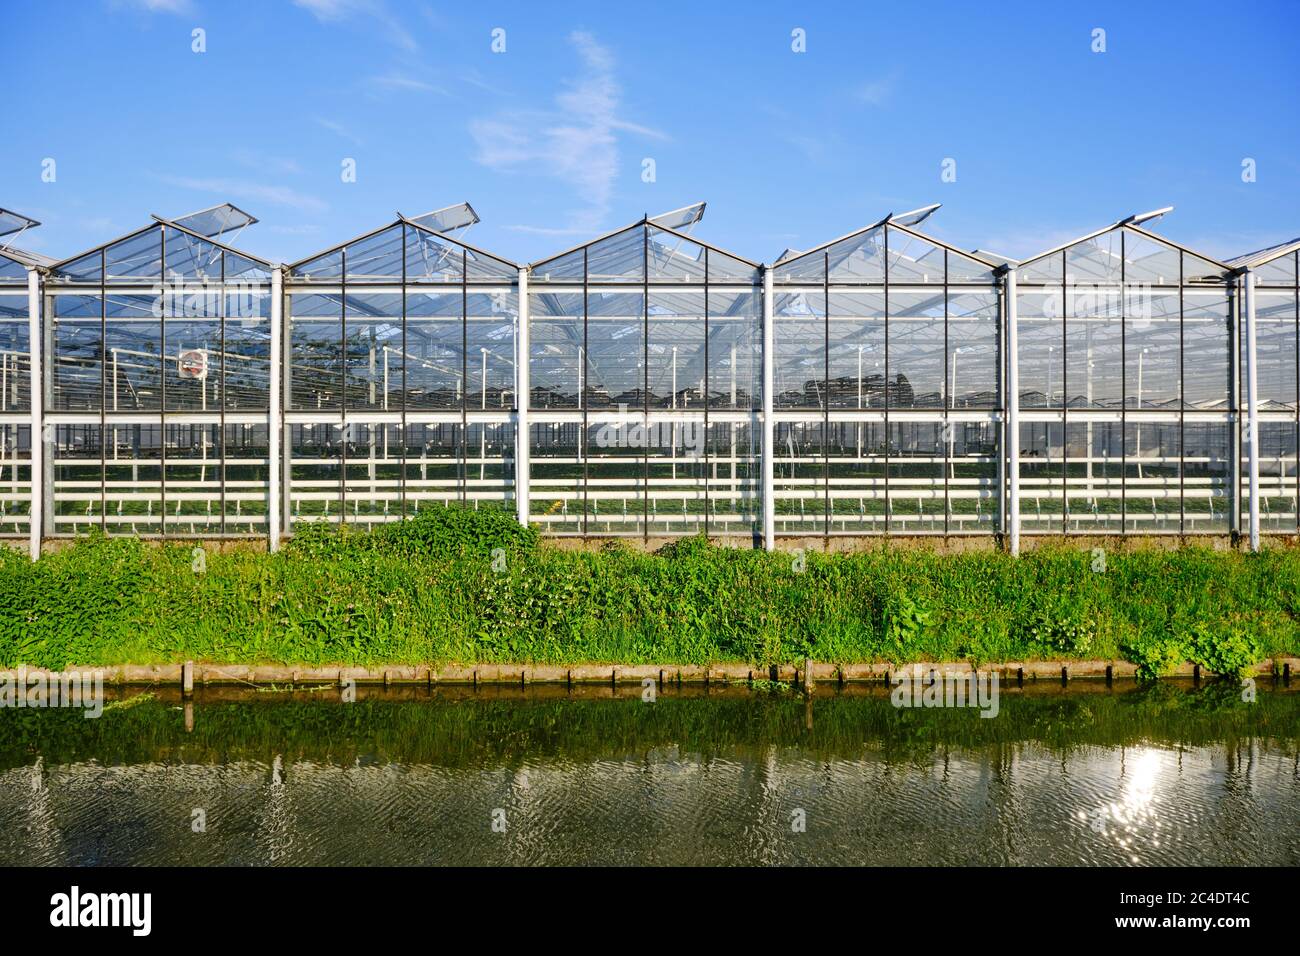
point(1175, 776)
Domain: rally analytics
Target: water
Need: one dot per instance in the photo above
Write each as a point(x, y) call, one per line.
point(1078, 775)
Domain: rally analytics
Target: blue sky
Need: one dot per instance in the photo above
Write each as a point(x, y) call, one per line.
point(547, 139)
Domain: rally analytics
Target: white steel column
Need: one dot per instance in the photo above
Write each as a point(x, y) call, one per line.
point(1012, 431)
point(275, 417)
point(36, 339)
point(769, 405)
point(523, 391)
point(1252, 406)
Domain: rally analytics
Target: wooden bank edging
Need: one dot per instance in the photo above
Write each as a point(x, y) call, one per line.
point(189, 674)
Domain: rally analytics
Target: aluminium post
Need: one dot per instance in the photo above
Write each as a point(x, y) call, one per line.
point(1012, 430)
point(523, 391)
point(769, 404)
point(1252, 406)
point(275, 409)
point(35, 339)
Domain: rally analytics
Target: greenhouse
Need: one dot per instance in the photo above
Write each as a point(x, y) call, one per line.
point(647, 384)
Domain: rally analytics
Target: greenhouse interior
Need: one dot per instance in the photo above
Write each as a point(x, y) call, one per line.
point(646, 385)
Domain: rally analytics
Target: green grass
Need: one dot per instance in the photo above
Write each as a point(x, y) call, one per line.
point(426, 591)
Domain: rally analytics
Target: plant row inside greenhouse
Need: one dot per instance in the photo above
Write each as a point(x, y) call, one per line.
point(648, 384)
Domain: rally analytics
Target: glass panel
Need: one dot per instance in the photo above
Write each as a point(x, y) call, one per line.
point(676, 350)
point(490, 340)
point(1042, 477)
point(799, 333)
point(435, 350)
point(1207, 476)
point(1094, 355)
point(799, 478)
point(133, 485)
point(734, 481)
point(431, 259)
point(373, 349)
point(15, 355)
point(1151, 349)
point(133, 353)
point(1277, 477)
point(314, 452)
point(192, 363)
point(1151, 487)
point(618, 258)
point(565, 268)
point(87, 268)
point(490, 464)
point(248, 467)
point(435, 464)
point(672, 258)
point(974, 319)
point(1095, 455)
point(857, 353)
point(378, 258)
point(556, 485)
point(1041, 340)
point(1207, 349)
point(735, 350)
point(1275, 349)
point(973, 488)
point(1048, 270)
point(189, 258)
point(916, 477)
point(12, 271)
point(372, 486)
point(1149, 262)
point(315, 351)
point(616, 482)
point(555, 341)
point(15, 479)
point(676, 476)
point(913, 260)
point(324, 267)
point(1279, 272)
point(856, 461)
point(1096, 261)
point(247, 359)
point(136, 258)
point(77, 373)
point(916, 350)
point(78, 485)
point(616, 343)
point(193, 469)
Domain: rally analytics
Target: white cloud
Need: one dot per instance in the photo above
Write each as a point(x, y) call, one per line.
point(877, 92)
point(374, 11)
point(575, 142)
point(338, 129)
point(245, 189)
point(400, 81)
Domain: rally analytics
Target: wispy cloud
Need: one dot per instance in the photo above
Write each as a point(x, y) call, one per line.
point(877, 92)
point(374, 12)
point(256, 159)
point(338, 129)
point(575, 142)
point(395, 80)
point(248, 190)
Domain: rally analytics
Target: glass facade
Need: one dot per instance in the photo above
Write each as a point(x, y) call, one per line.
point(1127, 421)
point(888, 399)
point(157, 388)
point(186, 389)
point(645, 367)
point(399, 383)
